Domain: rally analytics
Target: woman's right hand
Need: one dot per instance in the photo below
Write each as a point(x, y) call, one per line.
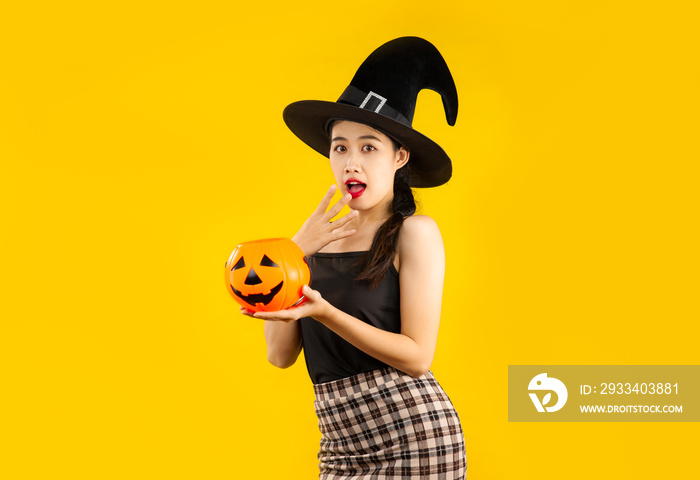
point(318, 231)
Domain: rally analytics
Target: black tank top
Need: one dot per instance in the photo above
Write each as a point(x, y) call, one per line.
point(329, 357)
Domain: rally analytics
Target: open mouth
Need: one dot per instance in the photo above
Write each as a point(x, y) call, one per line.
point(255, 298)
point(355, 188)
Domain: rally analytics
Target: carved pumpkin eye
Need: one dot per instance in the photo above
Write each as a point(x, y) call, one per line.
point(239, 264)
point(266, 262)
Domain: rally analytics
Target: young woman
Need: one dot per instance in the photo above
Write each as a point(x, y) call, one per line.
point(370, 324)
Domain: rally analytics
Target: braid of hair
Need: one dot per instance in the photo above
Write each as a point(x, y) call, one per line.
point(375, 263)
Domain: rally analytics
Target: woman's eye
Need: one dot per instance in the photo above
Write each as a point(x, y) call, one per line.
point(339, 148)
point(368, 148)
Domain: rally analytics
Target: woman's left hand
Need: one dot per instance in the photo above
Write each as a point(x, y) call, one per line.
point(313, 306)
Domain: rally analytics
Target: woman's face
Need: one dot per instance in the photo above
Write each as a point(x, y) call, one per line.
point(364, 163)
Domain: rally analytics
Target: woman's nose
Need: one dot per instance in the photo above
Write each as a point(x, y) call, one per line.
point(352, 166)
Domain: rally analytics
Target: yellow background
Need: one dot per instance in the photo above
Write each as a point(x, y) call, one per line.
point(140, 141)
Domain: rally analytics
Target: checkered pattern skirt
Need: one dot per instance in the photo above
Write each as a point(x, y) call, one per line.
point(386, 424)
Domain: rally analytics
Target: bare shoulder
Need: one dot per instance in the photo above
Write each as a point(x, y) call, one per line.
point(418, 228)
point(419, 237)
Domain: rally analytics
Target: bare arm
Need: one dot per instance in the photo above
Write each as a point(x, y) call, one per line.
point(283, 343)
point(421, 275)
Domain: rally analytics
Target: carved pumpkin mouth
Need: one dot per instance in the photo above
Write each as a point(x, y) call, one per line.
point(255, 298)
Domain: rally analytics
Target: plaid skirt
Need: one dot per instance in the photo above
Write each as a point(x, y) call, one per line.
point(386, 424)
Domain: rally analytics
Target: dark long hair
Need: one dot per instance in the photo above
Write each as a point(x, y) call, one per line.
point(377, 261)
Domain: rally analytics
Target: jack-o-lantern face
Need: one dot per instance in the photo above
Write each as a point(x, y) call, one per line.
point(267, 274)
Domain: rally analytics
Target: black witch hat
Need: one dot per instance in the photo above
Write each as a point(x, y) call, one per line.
point(383, 94)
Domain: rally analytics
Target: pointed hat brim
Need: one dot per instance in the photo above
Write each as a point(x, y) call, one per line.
point(308, 119)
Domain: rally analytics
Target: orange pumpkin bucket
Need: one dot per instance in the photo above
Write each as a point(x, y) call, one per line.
point(267, 275)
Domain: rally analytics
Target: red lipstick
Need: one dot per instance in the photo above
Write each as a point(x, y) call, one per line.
point(355, 187)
